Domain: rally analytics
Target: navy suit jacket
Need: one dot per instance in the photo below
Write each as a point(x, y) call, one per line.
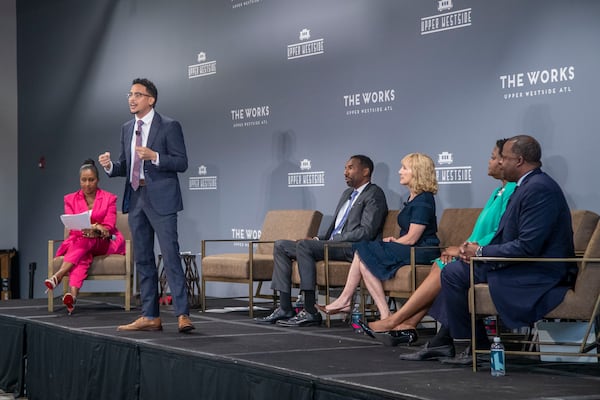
point(162, 184)
point(536, 223)
point(366, 218)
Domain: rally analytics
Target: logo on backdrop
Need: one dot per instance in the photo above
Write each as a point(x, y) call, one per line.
point(449, 175)
point(306, 177)
point(306, 47)
point(245, 3)
point(250, 116)
point(203, 182)
point(541, 82)
point(447, 19)
point(203, 68)
point(244, 234)
point(369, 101)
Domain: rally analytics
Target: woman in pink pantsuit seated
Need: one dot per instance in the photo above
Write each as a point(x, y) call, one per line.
point(82, 245)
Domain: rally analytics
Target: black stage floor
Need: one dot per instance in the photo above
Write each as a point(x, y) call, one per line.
point(320, 360)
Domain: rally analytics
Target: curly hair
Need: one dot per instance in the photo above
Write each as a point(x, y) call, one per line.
point(423, 173)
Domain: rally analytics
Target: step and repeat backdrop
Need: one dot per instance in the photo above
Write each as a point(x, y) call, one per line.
point(275, 95)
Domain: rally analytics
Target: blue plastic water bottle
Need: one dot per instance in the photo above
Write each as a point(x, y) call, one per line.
point(299, 305)
point(356, 316)
point(497, 358)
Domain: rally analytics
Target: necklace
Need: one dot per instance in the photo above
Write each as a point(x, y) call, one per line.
point(90, 201)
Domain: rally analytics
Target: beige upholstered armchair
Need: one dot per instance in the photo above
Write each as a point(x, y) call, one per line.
point(582, 303)
point(256, 265)
point(333, 273)
point(455, 226)
point(106, 267)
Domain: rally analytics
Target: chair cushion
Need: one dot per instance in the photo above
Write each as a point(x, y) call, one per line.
point(483, 300)
point(113, 264)
point(401, 282)
point(237, 266)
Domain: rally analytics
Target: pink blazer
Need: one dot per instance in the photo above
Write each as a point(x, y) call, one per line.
point(104, 212)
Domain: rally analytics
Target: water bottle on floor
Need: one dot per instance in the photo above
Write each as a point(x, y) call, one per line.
point(299, 305)
point(497, 358)
point(356, 316)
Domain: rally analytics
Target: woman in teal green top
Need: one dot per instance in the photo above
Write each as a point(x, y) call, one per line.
point(400, 327)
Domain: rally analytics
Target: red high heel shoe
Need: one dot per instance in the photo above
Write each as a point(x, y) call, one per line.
point(69, 301)
point(51, 283)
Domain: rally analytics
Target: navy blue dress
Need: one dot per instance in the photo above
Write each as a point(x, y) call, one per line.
point(384, 258)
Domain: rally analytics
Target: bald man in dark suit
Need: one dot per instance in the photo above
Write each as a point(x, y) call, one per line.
point(536, 223)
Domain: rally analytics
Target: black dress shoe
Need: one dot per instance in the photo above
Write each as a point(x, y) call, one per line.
point(430, 353)
point(275, 316)
point(393, 337)
point(366, 329)
point(396, 337)
point(464, 359)
point(304, 318)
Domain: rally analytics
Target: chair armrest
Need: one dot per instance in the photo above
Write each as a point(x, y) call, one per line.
point(531, 259)
point(582, 260)
point(250, 242)
point(474, 260)
point(330, 244)
point(225, 240)
point(338, 244)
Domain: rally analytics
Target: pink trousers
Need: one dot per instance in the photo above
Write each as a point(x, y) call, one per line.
point(81, 253)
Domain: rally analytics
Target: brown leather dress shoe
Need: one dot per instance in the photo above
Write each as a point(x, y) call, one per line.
point(142, 324)
point(185, 323)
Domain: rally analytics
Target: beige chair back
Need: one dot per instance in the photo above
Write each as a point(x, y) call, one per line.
point(579, 302)
point(390, 225)
point(288, 225)
point(256, 264)
point(584, 223)
point(456, 225)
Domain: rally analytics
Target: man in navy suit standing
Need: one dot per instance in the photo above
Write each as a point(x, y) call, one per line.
point(537, 223)
point(152, 153)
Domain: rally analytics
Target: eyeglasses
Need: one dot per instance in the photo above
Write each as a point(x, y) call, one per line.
point(509, 158)
point(137, 95)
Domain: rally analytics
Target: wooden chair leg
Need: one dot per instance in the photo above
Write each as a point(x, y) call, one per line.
point(203, 295)
point(251, 298)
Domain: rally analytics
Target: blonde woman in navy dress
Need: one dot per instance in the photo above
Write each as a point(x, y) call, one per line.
point(377, 261)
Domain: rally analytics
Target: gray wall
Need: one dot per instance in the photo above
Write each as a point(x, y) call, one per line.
point(8, 125)
point(446, 92)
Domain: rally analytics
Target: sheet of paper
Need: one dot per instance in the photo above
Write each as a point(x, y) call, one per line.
point(76, 221)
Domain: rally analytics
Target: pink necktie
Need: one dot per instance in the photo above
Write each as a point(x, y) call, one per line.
point(135, 173)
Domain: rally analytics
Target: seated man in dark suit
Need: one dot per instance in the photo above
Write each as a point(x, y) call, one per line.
point(360, 215)
point(537, 223)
